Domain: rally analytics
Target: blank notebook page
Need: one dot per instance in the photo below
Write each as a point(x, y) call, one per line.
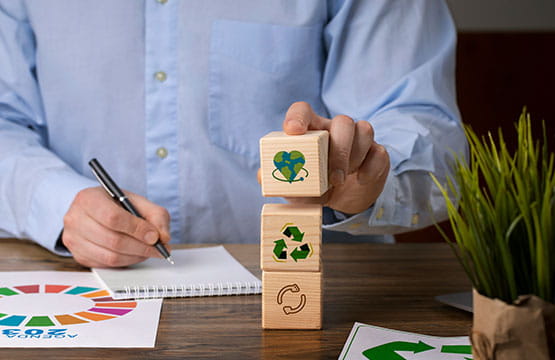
point(205, 271)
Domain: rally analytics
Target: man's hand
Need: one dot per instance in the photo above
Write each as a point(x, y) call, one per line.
point(357, 166)
point(100, 233)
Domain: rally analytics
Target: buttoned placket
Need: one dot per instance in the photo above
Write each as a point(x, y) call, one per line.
point(161, 90)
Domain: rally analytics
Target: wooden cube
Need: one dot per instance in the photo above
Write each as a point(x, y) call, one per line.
point(294, 165)
point(291, 300)
point(291, 237)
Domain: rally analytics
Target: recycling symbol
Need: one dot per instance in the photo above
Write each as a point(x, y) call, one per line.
point(293, 234)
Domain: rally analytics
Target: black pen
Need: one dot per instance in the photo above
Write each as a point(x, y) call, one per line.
point(114, 191)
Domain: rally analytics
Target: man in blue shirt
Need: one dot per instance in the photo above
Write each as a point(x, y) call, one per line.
point(172, 96)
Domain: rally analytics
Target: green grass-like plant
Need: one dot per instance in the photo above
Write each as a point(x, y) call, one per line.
point(503, 228)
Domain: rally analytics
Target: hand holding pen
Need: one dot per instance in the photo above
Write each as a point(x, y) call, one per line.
point(100, 233)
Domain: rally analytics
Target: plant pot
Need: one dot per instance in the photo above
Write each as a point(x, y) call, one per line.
point(522, 330)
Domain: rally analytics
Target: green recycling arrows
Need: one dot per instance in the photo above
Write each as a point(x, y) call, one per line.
point(293, 233)
point(456, 349)
point(388, 351)
point(279, 251)
point(300, 254)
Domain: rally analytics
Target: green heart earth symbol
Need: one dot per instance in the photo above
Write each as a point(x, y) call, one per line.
point(289, 164)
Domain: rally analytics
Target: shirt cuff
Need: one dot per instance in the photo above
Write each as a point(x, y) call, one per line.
point(51, 200)
point(378, 219)
point(337, 221)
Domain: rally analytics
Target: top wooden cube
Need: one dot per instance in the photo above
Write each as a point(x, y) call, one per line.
point(294, 165)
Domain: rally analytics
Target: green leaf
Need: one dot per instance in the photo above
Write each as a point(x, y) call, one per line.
point(501, 208)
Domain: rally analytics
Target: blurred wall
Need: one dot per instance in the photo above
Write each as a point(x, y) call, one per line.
point(503, 15)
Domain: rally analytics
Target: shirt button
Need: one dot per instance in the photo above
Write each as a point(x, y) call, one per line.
point(162, 1)
point(160, 76)
point(162, 152)
point(379, 215)
point(355, 226)
point(415, 219)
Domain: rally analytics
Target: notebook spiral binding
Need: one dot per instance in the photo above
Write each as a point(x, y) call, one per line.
point(190, 290)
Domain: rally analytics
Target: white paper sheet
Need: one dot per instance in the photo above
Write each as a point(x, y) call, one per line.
point(71, 309)
point(366, 342)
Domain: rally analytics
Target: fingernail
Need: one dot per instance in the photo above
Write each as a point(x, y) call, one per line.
point(151, 237)
point(295, 124)
point(337, 177)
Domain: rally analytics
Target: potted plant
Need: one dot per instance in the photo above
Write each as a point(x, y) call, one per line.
point(504, 237)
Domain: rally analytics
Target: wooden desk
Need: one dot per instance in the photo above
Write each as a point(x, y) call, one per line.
point(385, 285)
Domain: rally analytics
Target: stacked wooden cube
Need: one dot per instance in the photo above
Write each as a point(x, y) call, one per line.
point(291, 234)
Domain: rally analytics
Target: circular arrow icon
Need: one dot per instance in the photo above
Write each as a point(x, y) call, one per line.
point(294, 288)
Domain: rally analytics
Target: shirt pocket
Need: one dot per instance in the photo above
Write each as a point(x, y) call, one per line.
point(256, 72)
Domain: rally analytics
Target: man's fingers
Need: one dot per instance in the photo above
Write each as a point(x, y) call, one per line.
point(342, 132)
point(115, 241)
point(363, 139)
point(376, 166)
point(91, 254)
point(101, 208)
point(300, 117)
point(87, 262)
point(86, 259)
point(154, 214)
point(98, 232)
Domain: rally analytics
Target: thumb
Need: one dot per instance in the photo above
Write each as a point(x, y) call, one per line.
point(300, 118)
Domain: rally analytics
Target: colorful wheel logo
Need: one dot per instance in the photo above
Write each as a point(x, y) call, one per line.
point(41, 300)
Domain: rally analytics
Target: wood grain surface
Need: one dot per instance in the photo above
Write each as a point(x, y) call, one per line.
point(313, 145)
point(308, 219)
point(385, 285)
point(291, 300)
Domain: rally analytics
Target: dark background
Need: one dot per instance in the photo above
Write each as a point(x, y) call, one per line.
point(497, 75)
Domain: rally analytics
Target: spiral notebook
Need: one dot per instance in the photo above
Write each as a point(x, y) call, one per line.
point(208, 271)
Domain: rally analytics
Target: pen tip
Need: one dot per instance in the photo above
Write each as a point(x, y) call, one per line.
point(170, 260)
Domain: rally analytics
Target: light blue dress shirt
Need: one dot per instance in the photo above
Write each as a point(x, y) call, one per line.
point(173, 96)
